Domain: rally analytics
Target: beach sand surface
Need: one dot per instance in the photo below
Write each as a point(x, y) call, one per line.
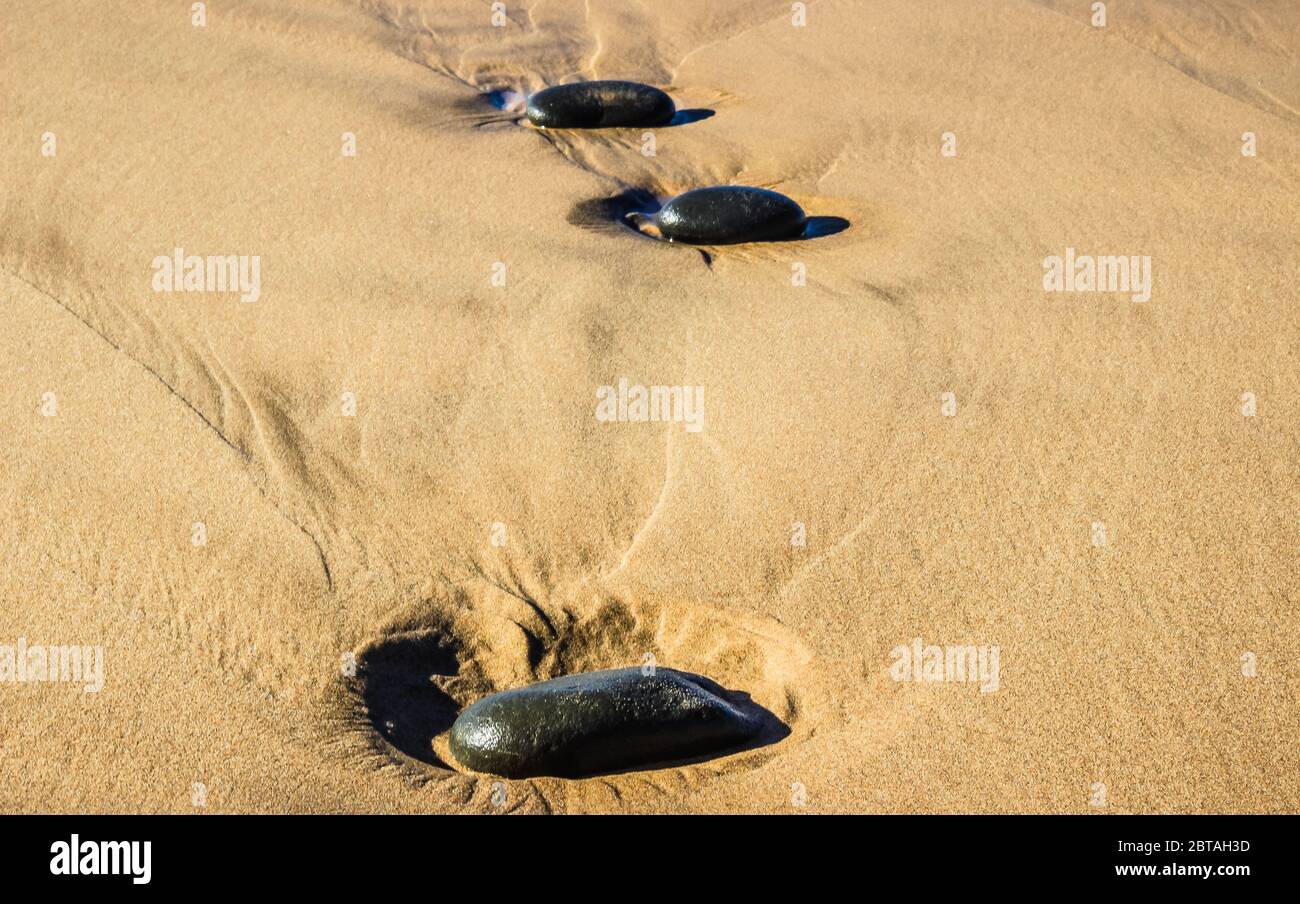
point(307, 529)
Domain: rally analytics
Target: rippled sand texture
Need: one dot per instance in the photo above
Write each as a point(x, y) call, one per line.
point(372, 535)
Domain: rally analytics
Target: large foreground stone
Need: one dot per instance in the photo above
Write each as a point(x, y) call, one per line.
point(598, 722)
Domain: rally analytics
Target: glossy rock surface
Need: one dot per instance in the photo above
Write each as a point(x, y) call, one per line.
point(598, 722)
point(600, 105)
point(728, 214)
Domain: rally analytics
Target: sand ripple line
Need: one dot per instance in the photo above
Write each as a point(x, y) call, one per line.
point(203, 418)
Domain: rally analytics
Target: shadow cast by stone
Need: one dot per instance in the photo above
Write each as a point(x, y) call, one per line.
point(505, 99)
point(402, 703)
point(820, 227)
point(686, 117)
point(498, 108)
point(611, 214)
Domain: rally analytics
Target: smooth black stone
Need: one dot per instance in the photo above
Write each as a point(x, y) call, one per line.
point(600, 105)
point(727, 214)
point(597, 722)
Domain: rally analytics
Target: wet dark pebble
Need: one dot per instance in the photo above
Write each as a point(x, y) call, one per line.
point(728, 214)
point(600, 105)
point(598, 722)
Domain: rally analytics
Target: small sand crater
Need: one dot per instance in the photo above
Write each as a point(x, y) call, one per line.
point(403, 701)
point(412, 682)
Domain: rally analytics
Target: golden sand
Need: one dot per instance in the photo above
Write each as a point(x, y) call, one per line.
point(391, 459)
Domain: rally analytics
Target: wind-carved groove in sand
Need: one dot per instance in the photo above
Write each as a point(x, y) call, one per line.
point(596, 51)
point(485, 634)
point(660, 504)
point(457, 51)
point(250, 465)
point(783, 15)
